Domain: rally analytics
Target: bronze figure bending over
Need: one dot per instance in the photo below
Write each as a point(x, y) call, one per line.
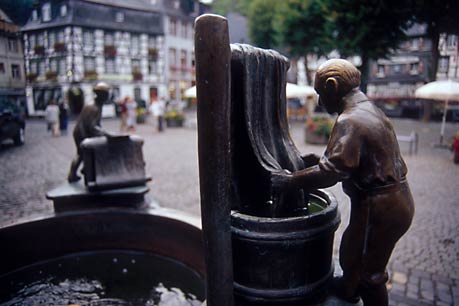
point(364, 154)
point(88, 125)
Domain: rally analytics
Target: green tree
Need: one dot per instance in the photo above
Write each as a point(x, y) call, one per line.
point(305, 27)
point(370, 28)
point(18, 10)
point(261, 16)
point(223, 7)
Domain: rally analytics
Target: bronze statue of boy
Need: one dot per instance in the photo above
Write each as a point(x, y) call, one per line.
point(364, 154)
point(88, 125)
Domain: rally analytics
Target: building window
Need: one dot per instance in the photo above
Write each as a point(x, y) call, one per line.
point(176, 4)
point(414, 68)
point(61, 67)
point(51, 39)
point(173, 26)
point(63, 10)
point(152, 41)
point(88, 39)
point(397, 69)
point(53, 64)
point(119, 17)
point(2, 68)
point(33, 67)
point(46, 12)
point(34, 15)
point(109, 39)
point(134, 44)
point(451, 41)
point(41, 67)
point(184, 29)
point(172, 57)
point(152, 67)
point(135, 65)
point(415, 43)
point(89, 63)
point(110, 67)
point(183, 59)
point(31, 42)
point(381, 71)
point(13, 45)
point(60, 36)
point(15, 72)
point(40, 39)
point(443, 64)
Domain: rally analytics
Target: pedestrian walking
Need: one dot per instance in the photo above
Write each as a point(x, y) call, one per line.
point(123, 113)
point(131, 107)
point(63, 118)
point(52, 117)
point(158, 109)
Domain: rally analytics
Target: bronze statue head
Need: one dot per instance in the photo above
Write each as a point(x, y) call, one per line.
point(102, 93)
point(334, 79)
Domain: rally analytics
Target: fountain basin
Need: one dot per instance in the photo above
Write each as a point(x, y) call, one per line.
point(160, 242)
point(284, 261)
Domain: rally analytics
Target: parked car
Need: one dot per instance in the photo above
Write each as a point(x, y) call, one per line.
point(12, 123)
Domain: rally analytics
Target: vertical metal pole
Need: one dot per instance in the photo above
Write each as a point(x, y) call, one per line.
point(443, 123)
point(213, 56)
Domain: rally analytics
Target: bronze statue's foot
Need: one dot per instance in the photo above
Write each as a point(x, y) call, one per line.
point(339, 290)
point(73, 178)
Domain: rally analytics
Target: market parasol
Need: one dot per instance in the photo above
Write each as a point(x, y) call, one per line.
point(442, 91)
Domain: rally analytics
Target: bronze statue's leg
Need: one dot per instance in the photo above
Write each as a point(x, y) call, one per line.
point(350, 257)
point(73, 177)
point(390, 217)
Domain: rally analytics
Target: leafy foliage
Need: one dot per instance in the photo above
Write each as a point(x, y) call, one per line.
point(18, 10)
point(305, 26)
point(261, 15)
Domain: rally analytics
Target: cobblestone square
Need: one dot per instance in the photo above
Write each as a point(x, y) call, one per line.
point(424, 267)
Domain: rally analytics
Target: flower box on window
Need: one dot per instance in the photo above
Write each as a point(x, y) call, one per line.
point(51, 75)
point(109, 51)
point(137, 75)
point(59, 47)
point(39, 50)
point(32, 77)
point(90, 75)
point(153, 54)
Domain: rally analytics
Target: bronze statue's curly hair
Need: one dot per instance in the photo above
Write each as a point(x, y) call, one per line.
point(347, 75)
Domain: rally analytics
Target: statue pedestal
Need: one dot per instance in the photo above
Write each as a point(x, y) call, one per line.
point(75, 196)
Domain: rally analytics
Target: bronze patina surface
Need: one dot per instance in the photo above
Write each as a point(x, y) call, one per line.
point(88, 125)
point(364, 154)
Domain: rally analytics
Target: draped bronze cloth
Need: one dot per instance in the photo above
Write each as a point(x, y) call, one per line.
point(261, 143)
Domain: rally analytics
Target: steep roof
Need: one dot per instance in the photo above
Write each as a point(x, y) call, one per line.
point(98, 14)
point(4, 17)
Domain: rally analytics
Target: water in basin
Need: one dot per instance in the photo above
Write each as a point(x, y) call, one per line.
point(104, 278)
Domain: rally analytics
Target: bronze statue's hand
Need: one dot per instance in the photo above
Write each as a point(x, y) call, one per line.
point(310, 160)
point(281, 180)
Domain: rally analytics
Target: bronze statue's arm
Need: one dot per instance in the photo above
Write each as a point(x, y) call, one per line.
point(309, 179)
point(97, 130)
point(310, 160)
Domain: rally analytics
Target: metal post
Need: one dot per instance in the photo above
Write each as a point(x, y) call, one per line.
point(443, 123)
point(213, 56)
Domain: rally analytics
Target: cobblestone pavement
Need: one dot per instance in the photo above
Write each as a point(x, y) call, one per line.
point(424, 267)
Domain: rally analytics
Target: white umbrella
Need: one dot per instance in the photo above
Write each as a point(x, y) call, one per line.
point(299, 91)
point(190, 92)
point(292, 91)
point(443, 91)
